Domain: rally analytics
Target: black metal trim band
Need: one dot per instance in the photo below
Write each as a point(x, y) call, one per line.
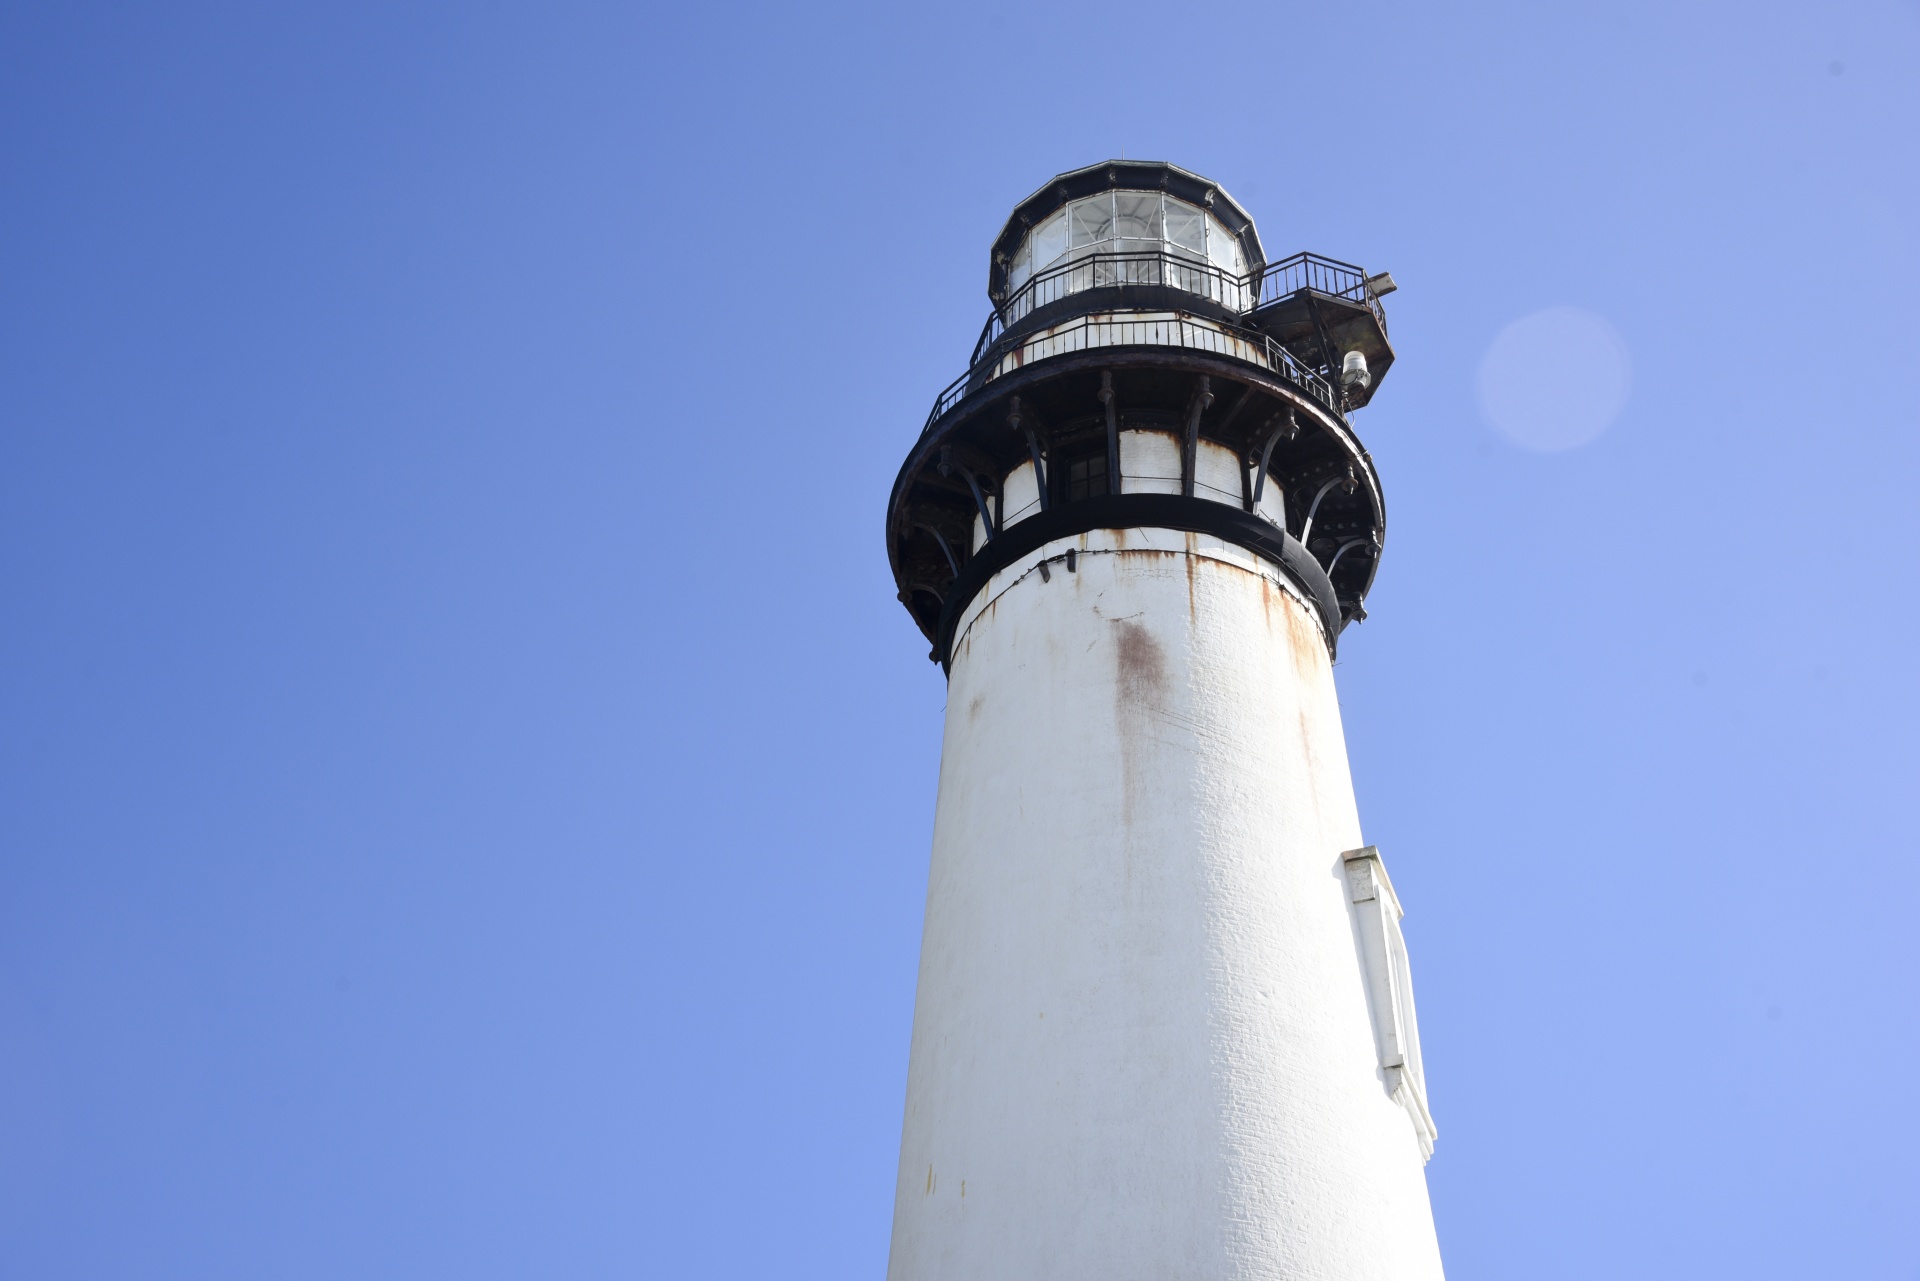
point(1139, 511)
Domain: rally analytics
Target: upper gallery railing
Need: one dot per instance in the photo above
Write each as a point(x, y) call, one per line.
point(1235, 293)
point(1322, 275)
point(1137, 329)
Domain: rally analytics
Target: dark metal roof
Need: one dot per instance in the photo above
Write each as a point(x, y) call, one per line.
point(1126, 175)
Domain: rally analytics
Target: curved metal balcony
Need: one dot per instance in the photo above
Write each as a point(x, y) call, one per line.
point(1092, 356)
point(1328, 276)
point(1292, 318)
point(1190, 274)
point(1136, 329)
point(1232, 293)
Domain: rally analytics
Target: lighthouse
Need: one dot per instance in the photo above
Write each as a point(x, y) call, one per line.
point(1164, 1027)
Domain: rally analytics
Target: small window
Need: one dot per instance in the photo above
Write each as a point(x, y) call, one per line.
point(1087, 477)
point(1396, 1033)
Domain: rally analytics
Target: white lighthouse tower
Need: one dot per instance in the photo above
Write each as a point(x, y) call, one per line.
point(1164, 1027)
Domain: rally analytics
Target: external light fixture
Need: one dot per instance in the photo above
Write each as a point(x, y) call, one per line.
point(1354, 372)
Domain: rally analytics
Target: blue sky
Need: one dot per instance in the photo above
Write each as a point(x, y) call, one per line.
point(465, 783)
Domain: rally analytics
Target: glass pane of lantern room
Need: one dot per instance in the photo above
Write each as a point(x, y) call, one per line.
point(1020, 268)
point(1137, 227)
point(1186, 226)
point(1136, 216)
point(1049, 241)
point(1223, 248)
point(1092, 219)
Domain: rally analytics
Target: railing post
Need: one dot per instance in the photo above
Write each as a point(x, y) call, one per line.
point(1190, 453)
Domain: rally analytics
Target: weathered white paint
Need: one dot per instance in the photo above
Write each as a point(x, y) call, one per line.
point(1142, 1047)
point(1022, 497)
point(1149, 464)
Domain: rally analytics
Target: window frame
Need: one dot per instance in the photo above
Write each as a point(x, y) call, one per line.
point(1087, 459)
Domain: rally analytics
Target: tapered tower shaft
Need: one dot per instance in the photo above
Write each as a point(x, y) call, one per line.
point(1163, 1026)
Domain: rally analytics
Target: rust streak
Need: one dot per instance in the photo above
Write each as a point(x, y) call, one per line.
point(1193, 607)
point(1139, 688)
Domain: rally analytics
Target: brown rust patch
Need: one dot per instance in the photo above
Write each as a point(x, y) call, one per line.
point(1143, 667)
point(1139, 687)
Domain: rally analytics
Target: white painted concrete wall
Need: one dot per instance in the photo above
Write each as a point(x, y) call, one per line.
point(1149, 464)
point(1023, 498)
point(1142, 1046)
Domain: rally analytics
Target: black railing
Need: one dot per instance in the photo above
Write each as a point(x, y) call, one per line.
point(1322, 275)
point(1137, 329)
point(1236, 293)
point(1107, 271)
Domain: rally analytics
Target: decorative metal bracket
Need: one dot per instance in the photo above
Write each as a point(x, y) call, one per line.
point(1190, 446)
point(1370, 540)
point(1233, 414)
point(922, 585)
point(1287, 430)
point(1348, 481)
point(948, 465)
point(1023, 423)
point(1113, 432)
point(953, 562)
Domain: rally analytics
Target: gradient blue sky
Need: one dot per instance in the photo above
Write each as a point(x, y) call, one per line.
point(465, 783)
